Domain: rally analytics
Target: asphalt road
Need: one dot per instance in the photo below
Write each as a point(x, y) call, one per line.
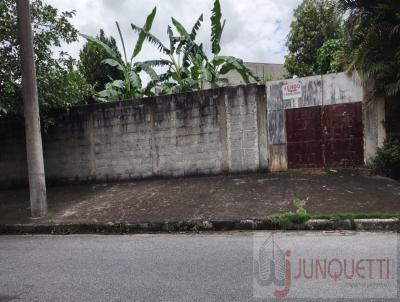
point(182, 267)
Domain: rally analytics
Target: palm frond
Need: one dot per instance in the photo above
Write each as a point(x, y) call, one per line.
point(172, 39)
point(155, 63)
point(179, 27)
point(151, 38)
point(216, 28)
point(196, 28)
point(142, 33)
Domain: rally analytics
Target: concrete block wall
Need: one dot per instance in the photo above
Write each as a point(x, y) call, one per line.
point(230, 129)
point(206, 132)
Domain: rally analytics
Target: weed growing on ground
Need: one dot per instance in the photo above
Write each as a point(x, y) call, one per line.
point(297, 217)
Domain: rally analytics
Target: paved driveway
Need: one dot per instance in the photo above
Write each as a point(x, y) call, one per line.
point(216, 197)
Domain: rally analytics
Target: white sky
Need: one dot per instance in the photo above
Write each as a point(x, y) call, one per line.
point(255, 31)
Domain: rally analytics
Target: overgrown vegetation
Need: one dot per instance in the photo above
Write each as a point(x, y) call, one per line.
point(325, 36)
point(348, 35)
point(387, 159)
point(130, 86)
point(59, 81)
point(187, 66)
point(63, 82)
point(91, 57)
point(315, 40)
point(373, 37)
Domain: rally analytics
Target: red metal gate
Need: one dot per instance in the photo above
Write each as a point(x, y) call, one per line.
point(304, 133)
point(325, 135)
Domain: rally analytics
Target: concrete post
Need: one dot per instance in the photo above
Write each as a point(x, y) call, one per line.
point(37, 183)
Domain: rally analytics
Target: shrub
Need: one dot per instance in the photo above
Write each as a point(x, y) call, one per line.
point(387, 159)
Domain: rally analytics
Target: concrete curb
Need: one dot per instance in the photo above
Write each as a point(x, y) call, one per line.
point(200, 226)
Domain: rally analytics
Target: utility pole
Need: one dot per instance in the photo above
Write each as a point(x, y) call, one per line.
point(34, 149)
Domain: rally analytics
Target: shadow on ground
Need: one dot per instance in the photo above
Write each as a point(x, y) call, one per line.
point(216, 198)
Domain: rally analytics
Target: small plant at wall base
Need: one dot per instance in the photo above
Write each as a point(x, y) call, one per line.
point(387, 159)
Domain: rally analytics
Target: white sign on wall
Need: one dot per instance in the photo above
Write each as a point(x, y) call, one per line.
point(291, 91)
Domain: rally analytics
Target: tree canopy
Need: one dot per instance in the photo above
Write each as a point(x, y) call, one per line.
point(91, 57)
point(59, 82)
point(373, 35)
point(314, 38)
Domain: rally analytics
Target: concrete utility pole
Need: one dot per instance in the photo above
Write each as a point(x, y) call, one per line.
point(34, 149)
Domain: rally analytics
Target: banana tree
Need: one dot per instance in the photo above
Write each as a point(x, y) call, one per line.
point(220, 65)
point(131, 86)
point(178, 62)
point(189, 68)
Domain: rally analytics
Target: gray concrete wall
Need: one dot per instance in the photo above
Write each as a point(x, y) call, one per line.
point(262, 70)
point(374, 127)
point(206, 132)
point(317, 91)
point(230, 129)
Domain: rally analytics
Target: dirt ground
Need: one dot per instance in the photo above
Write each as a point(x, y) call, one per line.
point(215, 197)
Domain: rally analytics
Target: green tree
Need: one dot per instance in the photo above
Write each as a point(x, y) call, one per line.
point(331, 56)
point(63, 86)
point(373, 35)
point(90, 64)
point(50, 29)
point(315, 23)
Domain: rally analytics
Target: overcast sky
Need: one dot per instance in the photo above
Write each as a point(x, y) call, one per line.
point(255, 31)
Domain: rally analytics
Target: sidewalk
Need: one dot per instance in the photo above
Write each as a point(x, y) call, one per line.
point(216, 198)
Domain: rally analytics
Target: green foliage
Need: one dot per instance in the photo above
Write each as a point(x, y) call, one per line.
point(130, 86)
point(90, 64)
point(352, 216)
point(316, 22)
point(188, 67)
point(387, 159)
point(297, 217)
point(50, 29)
point(331, 56)
point(64, 86)
point(292, 220)
point(373, 35)
point(216, 28)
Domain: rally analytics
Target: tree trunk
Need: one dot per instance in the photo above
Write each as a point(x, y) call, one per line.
point(34, 149)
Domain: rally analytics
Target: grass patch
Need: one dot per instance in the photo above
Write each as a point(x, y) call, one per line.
point(298, 217)
point(352, 216)
point(301, 215)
